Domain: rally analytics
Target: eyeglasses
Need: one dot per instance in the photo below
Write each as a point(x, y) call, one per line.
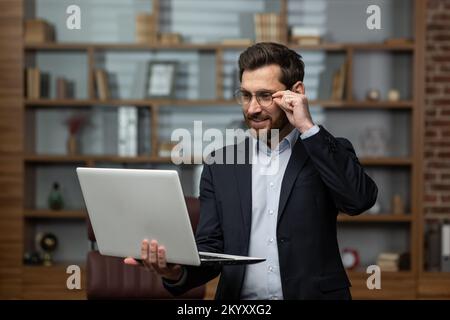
point(264, 98)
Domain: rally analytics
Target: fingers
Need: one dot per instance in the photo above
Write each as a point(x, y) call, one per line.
point(153, 253)
point(162, 264)
point(130, 261)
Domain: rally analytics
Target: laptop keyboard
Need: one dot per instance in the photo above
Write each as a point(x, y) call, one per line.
point(212, 258)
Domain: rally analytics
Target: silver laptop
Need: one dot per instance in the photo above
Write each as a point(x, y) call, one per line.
point(126, 206)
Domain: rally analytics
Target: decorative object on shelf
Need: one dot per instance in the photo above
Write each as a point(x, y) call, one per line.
point(350, 258)
point(374, 142)
point(305, 36)
point(146, 29)
point(38, 31)
point(376, 208)
point(47, 243)
point(32, 258)
point(445, 246)
point(338, 85)
point(74, 124)
point(433, 246)
point(170, 38)
point(373, 95)
point(393, 95)
point(267, 27)
point(101, 82)
point(55, 198)
point(398, 207)
point(161, 79)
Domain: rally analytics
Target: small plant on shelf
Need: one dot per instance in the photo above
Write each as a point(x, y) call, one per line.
point(74, 123)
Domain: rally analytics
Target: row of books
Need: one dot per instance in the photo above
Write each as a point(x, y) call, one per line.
point(38, 85)
point(267, 27)
point(134, 129)
point(147, 31)
point(101, 84)
point(393, 262)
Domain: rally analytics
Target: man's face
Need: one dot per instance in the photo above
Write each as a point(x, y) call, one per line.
point(263, 118)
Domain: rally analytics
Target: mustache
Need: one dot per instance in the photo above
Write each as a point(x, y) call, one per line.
point(257, 117)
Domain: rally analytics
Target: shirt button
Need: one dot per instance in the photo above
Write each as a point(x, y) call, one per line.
point(270, 269)
point(271, 184)
point(271, 212)
point(271, 240)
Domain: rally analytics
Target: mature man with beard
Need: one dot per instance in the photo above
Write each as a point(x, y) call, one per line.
point(281, 204)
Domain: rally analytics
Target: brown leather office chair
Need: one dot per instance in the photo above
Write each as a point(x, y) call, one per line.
point(110, 278)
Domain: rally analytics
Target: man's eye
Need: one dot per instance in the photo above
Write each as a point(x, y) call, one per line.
point(265, 96)
point(246, 95)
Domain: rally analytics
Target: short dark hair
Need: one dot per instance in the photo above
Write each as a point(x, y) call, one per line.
point(267, 53)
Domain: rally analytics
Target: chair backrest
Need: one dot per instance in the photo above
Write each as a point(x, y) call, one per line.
point(110, 278)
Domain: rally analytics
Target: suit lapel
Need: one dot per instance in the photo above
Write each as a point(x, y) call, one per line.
point(243, 173)
point(296, 162)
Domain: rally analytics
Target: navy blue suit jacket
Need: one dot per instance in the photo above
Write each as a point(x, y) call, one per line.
point(323, 177)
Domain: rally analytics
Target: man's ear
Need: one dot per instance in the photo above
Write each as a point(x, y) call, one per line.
point(298, 87)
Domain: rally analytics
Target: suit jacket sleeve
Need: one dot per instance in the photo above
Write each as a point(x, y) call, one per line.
point(335, 159)
point(209, 238)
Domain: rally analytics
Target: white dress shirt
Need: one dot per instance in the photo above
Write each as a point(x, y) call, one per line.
point(262, 280)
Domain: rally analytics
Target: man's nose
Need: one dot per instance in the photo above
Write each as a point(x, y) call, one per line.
point(253, 106)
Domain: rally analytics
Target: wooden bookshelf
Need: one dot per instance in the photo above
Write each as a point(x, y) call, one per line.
point(39, 282)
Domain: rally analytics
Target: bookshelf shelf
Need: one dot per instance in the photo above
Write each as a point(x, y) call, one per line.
point(166, 160)
point(51, 214)
point(384, 217)
point(55, 46)
point(33, 103)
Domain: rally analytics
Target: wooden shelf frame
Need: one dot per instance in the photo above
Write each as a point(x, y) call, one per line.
point(349, 49)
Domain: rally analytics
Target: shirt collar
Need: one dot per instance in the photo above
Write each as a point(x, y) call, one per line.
point(285, 143)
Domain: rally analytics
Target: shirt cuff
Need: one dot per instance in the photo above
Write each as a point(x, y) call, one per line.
point(310, 132)
point(180, 282)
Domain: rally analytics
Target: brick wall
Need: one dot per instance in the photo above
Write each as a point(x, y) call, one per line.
point(437, 109)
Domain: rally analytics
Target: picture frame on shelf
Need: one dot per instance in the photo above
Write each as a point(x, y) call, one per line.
point(161, 79)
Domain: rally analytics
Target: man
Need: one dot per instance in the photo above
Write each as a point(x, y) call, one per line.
point(287, 215)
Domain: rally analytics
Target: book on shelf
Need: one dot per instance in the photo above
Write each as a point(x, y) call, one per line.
point(127, 131)
point(267, 27)
point(338, 84)
point(33, 83)
point(38, 31)
point(101, 81)
point(37, 84)
point(302, 35)
point(393, 261)
point(64, 89)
